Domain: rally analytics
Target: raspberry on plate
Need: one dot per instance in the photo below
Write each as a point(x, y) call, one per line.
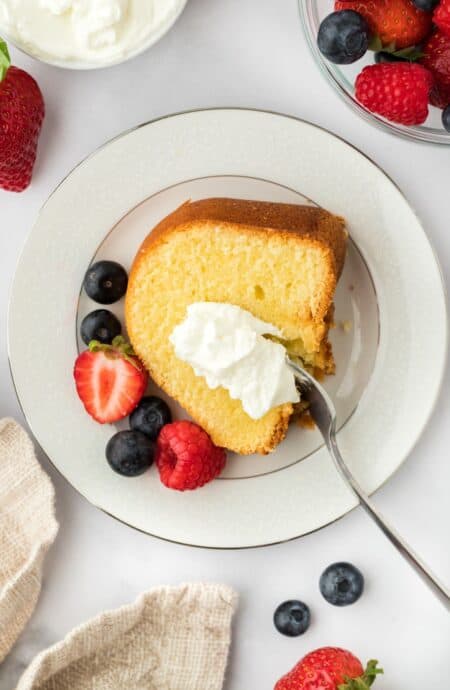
point(437, 60)
point(441, 17)
point(398, 91)
point(186, 457)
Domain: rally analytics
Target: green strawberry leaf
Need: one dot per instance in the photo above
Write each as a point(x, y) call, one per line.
point(5, 60)
point(365, 681)
point(411, 53)
point(389, 48)
point(118, 348)
point(375, 44)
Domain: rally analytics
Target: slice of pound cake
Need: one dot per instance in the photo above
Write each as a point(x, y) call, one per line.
point(280, 262)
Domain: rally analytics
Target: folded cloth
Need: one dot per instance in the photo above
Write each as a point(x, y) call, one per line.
point(27, 529)
point(170, 638)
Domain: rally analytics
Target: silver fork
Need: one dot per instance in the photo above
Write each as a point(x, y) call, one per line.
point(324, 414)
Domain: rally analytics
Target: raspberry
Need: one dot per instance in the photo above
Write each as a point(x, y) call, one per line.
point(398, 91)
point(437, 60)
point(441, 17)
point(186, 457)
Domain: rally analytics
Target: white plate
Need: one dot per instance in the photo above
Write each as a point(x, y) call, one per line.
point(391, 291)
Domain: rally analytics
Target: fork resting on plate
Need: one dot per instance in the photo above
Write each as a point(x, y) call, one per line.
point(323, 412)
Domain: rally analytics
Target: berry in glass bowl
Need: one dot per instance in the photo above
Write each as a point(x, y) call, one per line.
point(401, 81)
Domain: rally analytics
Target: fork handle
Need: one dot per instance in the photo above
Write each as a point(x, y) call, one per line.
point(324, 414)
point(406, 551)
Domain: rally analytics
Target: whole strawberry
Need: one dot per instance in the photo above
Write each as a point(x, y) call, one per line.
point(393, 21)
point(398, 91)
point(437, 60)
point(329, 668)
point(441, 16)
point(22, 112)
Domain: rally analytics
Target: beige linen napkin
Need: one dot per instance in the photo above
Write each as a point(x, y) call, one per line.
point(27, 529)
point(171, 638)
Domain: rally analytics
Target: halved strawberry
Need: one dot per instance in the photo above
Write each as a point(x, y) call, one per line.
point(110, 380)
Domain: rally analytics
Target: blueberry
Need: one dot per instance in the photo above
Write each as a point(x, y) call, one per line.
point(150, 416)
point(446, 118)
point(130, 453)
point(341, 584)
point(292, 618)
point(343, 37)
point(426, 5)
point(106, 282)
point(100, 325)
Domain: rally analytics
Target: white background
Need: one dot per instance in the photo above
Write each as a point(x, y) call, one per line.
point(243, 53)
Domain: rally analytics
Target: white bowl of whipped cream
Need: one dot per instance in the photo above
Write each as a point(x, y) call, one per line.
point(86, 34)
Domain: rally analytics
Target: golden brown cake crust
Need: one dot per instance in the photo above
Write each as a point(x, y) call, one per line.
point(309, 222)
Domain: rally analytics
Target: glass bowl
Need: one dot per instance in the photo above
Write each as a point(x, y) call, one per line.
point(342, 78)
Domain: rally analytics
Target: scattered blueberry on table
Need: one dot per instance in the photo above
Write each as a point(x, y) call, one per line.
point(292, 618)
point(341, 584)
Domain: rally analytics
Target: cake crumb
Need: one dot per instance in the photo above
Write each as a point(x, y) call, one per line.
point(346, 326)
point(305, 421)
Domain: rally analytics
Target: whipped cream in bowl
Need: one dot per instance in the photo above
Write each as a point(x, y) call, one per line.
point(86, 34)
point(226, 346)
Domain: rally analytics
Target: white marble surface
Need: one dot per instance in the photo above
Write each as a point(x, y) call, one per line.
point(252, 54)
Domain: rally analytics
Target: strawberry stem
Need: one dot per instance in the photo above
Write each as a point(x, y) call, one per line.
point(365, 681)
point(411, 53)
point(118, 348)
point(5, 60)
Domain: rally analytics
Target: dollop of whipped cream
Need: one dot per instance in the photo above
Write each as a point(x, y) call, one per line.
point(225, 344)
point(84, 30)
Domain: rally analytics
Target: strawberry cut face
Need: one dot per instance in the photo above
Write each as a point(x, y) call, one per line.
point(109, 386)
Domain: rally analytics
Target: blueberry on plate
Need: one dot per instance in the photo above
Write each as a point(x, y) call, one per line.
point(343, 37)
point(292, 618)
point(150, 416)
point(341, 584)
point(426, 5)
point(446, 118)
point(106, 282)
point(130, 453)
point(100, 325)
